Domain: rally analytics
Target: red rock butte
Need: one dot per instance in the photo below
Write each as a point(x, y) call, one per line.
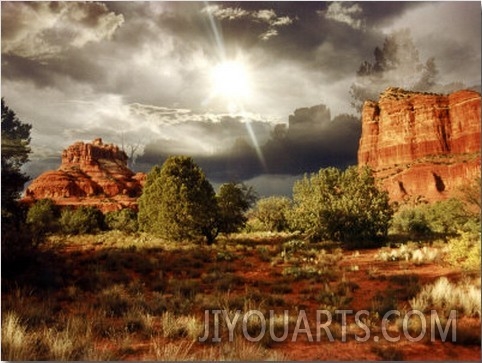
point(422, 144)
point(92, 174)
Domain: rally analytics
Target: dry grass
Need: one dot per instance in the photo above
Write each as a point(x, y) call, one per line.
point(73, 342)
point(139, 297)
point(179, 351)
point(412, 252)
point(444, 296)
point(173, 326)
point(16, 342)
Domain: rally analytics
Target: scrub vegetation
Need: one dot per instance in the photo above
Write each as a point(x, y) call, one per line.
point(80, 285)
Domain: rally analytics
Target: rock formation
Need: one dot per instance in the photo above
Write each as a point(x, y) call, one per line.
point(90, 174)
point(420, 144)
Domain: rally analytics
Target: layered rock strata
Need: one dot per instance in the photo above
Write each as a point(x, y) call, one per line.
point(422, 145)
point(90, 174)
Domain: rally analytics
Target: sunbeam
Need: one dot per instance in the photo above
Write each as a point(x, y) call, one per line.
point(231, 83)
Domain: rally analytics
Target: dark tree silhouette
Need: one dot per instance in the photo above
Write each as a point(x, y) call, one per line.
point(15, 151)
point(396, 64)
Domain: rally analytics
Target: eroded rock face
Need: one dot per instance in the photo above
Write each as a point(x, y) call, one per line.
point(90, 174)
point(421, 144)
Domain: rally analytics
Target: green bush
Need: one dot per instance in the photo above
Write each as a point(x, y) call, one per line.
point(124, 220)
point(465, 251)
point(178, 202)
point(81, 220)
point(412, 222)
point(233, 201)
point(343, 206)
point(42, 218)
point(447, 217)
point(443, 217)
point(272, 212)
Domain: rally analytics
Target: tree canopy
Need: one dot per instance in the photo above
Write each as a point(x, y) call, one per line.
point(340, 205)
point(273, 212)
point(233, 202)
point(178, 202)
point(16, 239)
point(15, 152)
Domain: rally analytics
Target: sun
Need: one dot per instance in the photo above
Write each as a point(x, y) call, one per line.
point(230, 80)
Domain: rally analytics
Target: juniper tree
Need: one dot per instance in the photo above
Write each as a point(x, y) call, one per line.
point(178, 202)
point(233, 202)
point(342, 205)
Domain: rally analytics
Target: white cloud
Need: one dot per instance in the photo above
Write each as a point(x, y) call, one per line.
point(453, 38)
point(225, 13)
point(346, 14)
point(281, 21)
point(41, 30)
point(269, 34)
point(267, 16)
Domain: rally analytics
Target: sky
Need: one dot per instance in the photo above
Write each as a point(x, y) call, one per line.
point(254, 91)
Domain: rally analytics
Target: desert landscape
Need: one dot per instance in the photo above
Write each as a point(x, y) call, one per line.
point(123, 294)
point(115, 297)
point(184, 219)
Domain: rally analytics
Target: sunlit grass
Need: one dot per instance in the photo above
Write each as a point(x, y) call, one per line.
point(137, 296)
point(443, 295)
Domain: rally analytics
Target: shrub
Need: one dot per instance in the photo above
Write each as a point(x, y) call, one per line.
point(444, 217)
point(178, 202)
point(42, 218)
point(272, 212)
point(465, 251)
point(412, 222)
point(448, 216)
point(233, 202)
point(81, 220)
point(343, 206)
point(124, 220)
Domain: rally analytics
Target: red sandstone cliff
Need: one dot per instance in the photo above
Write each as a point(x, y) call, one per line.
point(422, 144)
point(90, 174)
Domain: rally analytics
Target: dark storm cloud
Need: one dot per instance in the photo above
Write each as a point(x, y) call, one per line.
point(311, 140)
point(142, 71)
point(211, 137)
point(54, 27)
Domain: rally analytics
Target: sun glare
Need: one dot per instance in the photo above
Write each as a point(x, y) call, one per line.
point(230, 80)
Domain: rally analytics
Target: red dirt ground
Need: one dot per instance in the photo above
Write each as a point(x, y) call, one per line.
point(372, 277)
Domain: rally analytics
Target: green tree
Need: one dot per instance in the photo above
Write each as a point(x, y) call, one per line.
point(340, 205)
point(412, 222)
point(16, 240)
point(15, 152)
point(122, 220)
point(447, 217)
point(81, 220)
point(273, 212)
point(42, 218)
point(178, 202)
point(233, 201)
